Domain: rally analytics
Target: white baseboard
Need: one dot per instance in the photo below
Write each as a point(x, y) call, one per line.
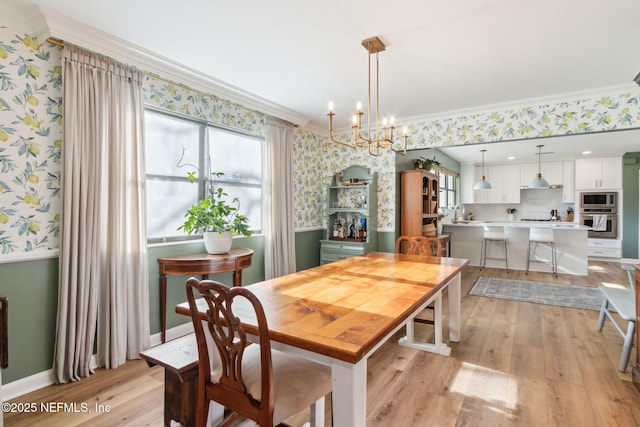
point(27, 385)
point(630, 261)
point(46, 378)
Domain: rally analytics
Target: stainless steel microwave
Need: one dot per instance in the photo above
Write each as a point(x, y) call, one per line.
point(601, 201)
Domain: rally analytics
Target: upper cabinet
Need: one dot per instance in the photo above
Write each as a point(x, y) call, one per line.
point(504, 179)
point(467, 179)
point(507, 181)
point(568, 182)
point(596, 174)
point(551, 171)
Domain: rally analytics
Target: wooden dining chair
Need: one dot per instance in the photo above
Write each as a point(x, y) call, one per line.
point(419, 245)
point(252, 380)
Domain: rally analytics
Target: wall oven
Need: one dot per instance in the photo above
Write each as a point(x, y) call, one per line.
point(601, 201)
point(604, 226)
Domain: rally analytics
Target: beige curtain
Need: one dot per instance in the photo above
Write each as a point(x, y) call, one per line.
point(103, 279)
point(279, 251)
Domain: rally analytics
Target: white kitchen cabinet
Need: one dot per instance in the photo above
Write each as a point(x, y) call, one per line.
point(604, 173)
point(568, 182)
point(469, 175)
point(604, 248)
point(551, 171)
point(467, 180)
point(481, 196)
point(504, 180)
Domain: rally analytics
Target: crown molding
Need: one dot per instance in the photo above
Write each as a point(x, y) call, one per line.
point(25, 18)
point(74, 32)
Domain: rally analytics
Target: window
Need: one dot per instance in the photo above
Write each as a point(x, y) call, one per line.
point(448, 188)
point(175, 146)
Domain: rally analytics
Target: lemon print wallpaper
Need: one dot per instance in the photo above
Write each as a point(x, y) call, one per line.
point(30, 144)
point(31, 141)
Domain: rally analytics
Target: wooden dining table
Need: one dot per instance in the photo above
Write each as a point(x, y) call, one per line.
point(339, 313)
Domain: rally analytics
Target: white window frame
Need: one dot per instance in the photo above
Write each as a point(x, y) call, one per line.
point(202, 179)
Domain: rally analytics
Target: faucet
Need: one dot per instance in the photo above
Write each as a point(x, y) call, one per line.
point(457, 218)
point(455, 214)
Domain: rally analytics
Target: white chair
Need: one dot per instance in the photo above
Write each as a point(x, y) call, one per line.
point(623, 302)
point(542, 235)
point(493, 234)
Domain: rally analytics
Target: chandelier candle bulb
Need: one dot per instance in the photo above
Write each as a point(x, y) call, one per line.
point(331, 107)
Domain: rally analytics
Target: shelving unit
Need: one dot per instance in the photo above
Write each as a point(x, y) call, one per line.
point(350, 206)
point(419, 203)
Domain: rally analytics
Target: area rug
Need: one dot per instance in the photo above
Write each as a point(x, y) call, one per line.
point(538, 292)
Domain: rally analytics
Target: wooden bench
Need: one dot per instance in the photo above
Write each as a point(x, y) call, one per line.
point(179, 358)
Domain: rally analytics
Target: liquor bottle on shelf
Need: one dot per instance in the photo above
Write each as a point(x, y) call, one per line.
point(335, 227)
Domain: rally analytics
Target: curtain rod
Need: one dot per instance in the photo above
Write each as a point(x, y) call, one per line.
point(60, 43)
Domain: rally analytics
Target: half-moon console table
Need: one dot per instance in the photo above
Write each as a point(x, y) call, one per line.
point(201, 264)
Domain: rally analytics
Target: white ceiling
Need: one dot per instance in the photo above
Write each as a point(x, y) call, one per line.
point(441, 56)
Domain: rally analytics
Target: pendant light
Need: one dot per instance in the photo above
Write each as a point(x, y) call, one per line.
point(483, 184)
point(539, 181)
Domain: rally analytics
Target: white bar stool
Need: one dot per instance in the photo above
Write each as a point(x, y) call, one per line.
point(493, 234)
point(542, 235)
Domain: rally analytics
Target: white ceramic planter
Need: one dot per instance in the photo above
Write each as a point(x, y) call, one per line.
point(217, 243)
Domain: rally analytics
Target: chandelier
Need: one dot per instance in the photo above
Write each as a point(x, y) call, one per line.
point(374, 136)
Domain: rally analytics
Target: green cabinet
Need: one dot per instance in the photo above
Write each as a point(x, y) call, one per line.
point(350, 215)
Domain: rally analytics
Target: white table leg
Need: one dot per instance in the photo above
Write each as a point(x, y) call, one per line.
point(437, 346)
point(316, 419)
point(453, 289)
point(349, 396)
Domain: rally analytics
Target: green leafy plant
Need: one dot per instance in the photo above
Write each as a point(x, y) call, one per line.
point(426, 164)
point(215, 213)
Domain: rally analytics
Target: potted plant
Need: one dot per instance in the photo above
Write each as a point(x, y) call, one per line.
point(426, 164)
point(216, 217)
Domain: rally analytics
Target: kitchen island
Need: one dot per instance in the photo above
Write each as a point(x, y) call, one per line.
point(570, 238)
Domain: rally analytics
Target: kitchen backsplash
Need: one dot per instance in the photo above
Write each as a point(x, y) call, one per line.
point(534, 204)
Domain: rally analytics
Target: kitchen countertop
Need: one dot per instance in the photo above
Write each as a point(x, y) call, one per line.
point(570, 242)
point(521, 224)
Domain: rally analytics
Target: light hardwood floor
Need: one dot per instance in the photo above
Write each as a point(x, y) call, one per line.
point(518, 364)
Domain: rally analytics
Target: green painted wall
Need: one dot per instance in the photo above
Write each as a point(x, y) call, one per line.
point(630, 200)
point(308, 249)
point(387, 241)
point(32, 289)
